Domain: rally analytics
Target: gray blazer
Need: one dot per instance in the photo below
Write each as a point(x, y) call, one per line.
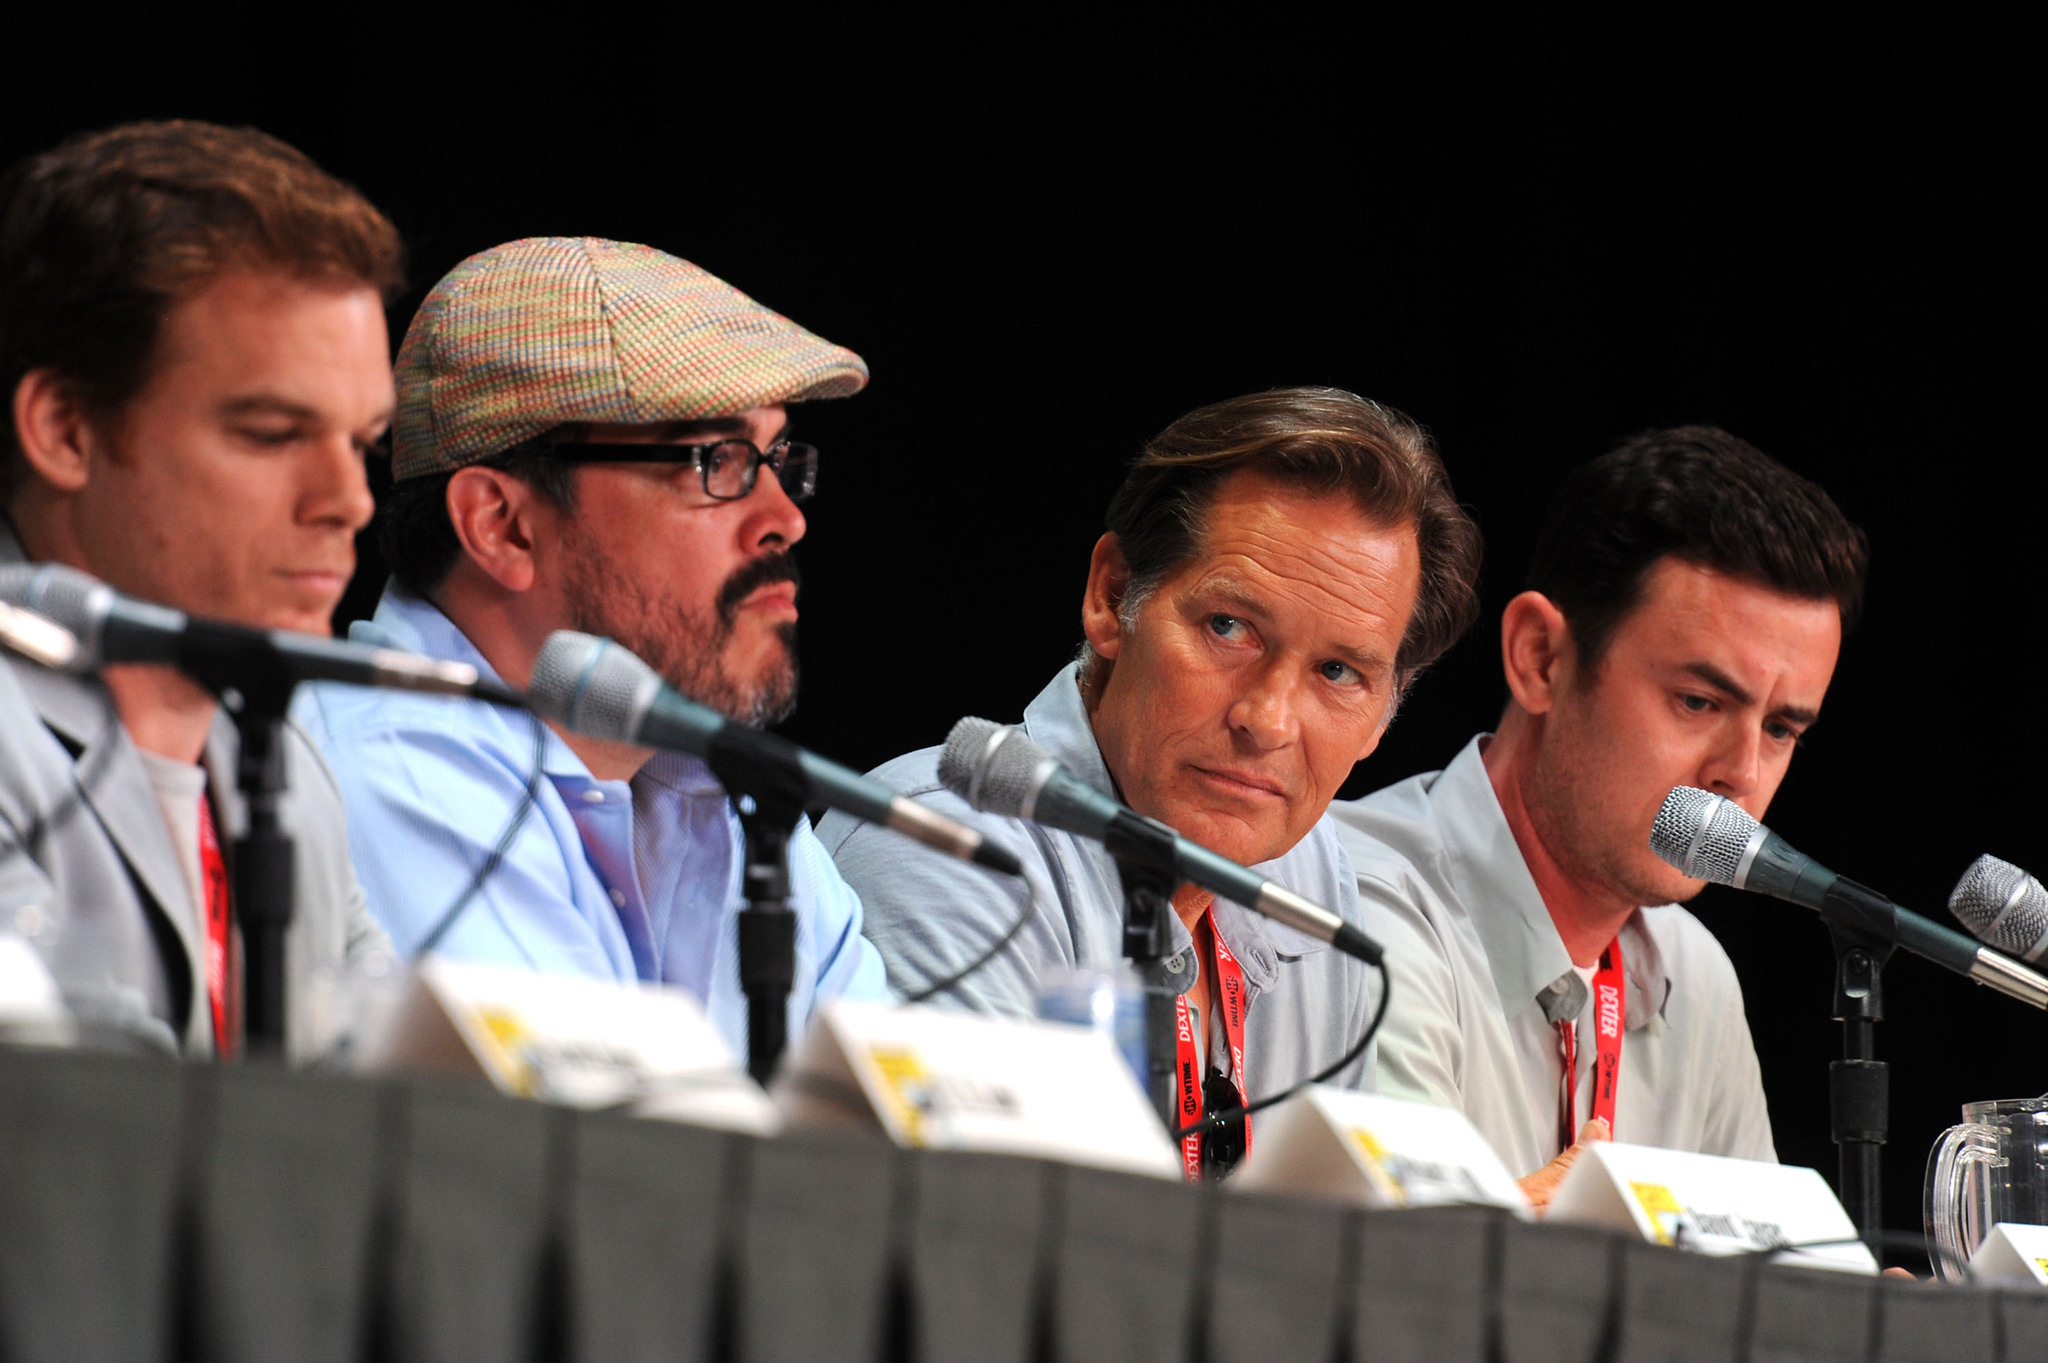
point(86, 861)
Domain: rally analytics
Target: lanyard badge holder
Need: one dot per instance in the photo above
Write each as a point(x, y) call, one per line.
point(1144, 852)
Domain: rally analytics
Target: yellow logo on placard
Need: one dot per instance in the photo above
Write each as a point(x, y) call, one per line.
point(1662, 1206)
point(1376, 1155)
point(904, 1074)
point(2042, 1264)
point(509, 1032)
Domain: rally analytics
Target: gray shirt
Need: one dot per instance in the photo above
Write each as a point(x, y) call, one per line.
point(1481, 977)
point(930, 914)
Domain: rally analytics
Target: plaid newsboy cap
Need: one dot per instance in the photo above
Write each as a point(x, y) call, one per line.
point(526, 336)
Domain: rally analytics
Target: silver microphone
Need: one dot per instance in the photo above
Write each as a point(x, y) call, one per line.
point(2003, 907)
point(1712, 838)
point(999, 770)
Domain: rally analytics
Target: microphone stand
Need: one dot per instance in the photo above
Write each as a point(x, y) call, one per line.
point(1859, 1084)
point(1865, 932)
point(766, 785)
point(1144, 856)
point(263, 873)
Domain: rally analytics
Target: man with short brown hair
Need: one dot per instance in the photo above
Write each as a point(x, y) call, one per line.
point(1277, 570)
point(1680, 627)
point(192, 341)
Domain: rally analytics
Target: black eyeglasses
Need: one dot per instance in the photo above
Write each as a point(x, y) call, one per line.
point(728, 468)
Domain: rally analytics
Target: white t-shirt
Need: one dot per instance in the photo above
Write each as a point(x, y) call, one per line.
point(180, 786)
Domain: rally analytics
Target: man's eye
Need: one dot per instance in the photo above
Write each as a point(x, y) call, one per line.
point(1226, 626)
point(1784, 733)
point(1699, 705)
point(268, 435)
point(1343, 674)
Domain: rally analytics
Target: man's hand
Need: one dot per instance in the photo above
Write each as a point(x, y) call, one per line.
point(1541, 1186)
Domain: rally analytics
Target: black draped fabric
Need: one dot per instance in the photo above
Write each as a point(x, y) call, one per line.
point(1556, 1293)
point(1276, 1285)
point(285, 1202)
point(651, 1212)
point(1424, 1291)
point(153, 1211)
point(977, 1244)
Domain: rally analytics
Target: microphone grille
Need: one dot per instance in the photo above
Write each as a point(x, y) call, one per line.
point(591, 685)
point(991, 766)
point(60, 594)
point(2001, 905)
point(1702, 834)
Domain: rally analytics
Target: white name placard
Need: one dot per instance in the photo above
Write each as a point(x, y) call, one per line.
point(566, 1039)
point(2013, 1253)
point(1711, 1205)
point(1376, 1152)
point(949, 1080)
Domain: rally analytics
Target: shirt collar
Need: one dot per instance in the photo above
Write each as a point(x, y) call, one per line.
point(1523, 951)
point(415, 625)
point(1058, 722)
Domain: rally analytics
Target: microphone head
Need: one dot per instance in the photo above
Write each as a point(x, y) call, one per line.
point(2002, 906)
point(591, 686)
point(1704, 835)
point(996, 768)
point(65, 596)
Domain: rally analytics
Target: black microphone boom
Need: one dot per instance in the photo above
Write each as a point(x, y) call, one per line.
point(594, 687)
point(1712, 838)
point(999, 770)
point(112, 628)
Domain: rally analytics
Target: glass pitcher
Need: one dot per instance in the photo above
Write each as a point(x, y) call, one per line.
point(1991, 1168)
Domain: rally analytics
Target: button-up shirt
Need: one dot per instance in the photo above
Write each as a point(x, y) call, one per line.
point(617, 880)
point(1481, 978)
point(930, 915)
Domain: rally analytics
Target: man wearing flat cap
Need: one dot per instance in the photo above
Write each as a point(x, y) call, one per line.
point(591, 435)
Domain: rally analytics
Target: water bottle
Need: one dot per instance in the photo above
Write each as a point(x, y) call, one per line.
point(1109, 998)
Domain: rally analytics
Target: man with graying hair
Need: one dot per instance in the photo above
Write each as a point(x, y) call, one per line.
point(1277, 570)
point(591, 435)
point(1680, 627)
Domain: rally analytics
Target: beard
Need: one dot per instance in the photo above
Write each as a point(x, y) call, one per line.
point(688, 648)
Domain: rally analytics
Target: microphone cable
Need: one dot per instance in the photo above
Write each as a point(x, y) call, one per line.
point(1214, 1121)
point(994, 950)
point(528, 798)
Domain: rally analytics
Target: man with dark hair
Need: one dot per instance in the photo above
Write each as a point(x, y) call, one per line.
point(591, 435)
point(1681, 626)
point(192, 338)
point(1276, 571)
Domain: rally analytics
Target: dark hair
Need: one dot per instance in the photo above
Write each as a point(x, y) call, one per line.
point(101, 236)
point(418, 539)
point(1326, 441)
point(1702, 495)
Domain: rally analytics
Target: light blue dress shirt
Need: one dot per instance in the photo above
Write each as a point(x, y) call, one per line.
point(614, 880)
point(1307, 1005)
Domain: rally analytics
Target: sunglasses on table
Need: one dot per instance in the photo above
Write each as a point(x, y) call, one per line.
point(728, 468)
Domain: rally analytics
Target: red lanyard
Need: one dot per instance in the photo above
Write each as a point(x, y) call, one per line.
point(1610, 1019)
point(1226, 992)
point(219, 929)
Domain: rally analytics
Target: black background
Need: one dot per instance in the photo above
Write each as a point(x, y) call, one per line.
point(1050, 242)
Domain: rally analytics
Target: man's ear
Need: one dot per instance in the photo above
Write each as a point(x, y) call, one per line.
point(51, 426)
point(1108, 579)
point(493, 514)
point(1536, 651)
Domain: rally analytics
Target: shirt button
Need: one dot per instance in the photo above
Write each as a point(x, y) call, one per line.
point(593, 797)
point(1176, 963)
point(619, 899)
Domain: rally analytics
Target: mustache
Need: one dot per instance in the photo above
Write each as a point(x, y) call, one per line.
point(779, 566)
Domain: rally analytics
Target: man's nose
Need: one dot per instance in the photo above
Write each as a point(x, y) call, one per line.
point(771, 515)
point(336, 487)
point(1265, 711)
point(1736, 767)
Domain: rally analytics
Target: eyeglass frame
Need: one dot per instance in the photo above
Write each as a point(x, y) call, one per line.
point(794, 453)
